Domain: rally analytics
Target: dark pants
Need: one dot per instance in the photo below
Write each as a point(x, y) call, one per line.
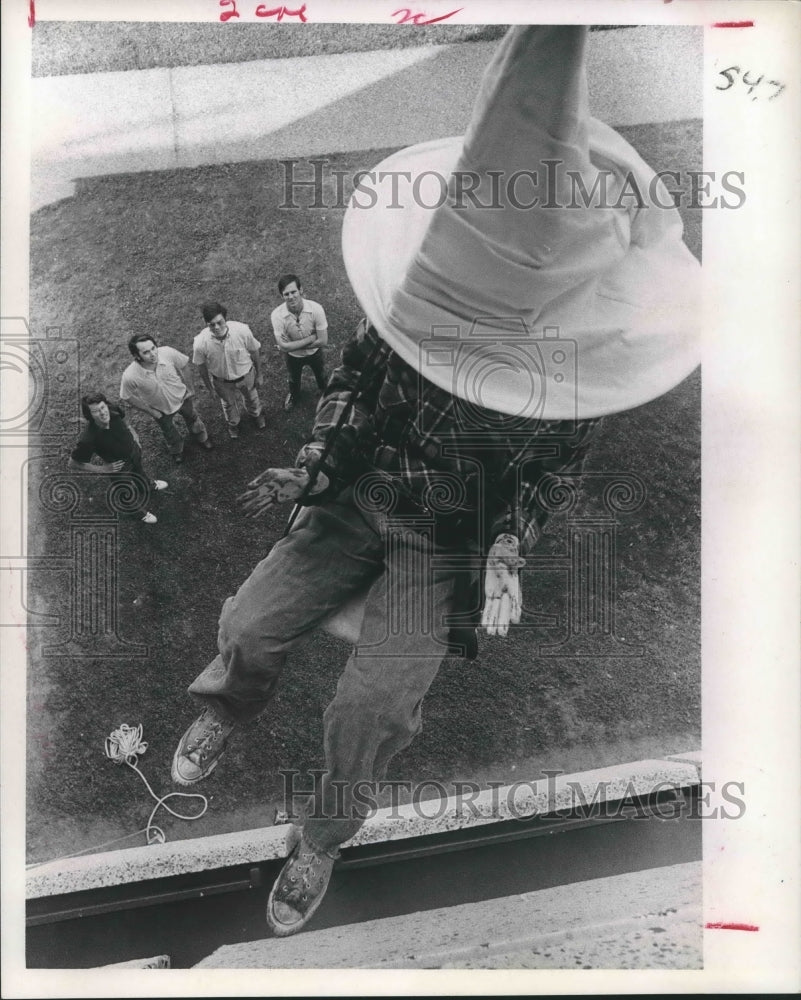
point(169, 428)
point(132, 488)
point(295, 366)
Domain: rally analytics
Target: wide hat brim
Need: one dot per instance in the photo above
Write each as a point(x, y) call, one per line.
point(623, 337)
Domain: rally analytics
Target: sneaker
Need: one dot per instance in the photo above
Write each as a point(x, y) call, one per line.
point(289, 402)
point(299, 889)
point(200, 748)
point(233, 433)
point(150, 518)
point(261, 423)
point(159, 484)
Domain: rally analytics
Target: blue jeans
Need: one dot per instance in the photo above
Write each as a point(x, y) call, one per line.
point(333, 552)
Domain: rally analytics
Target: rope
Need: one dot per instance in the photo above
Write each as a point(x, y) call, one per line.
point(85, 850)
point(123, 746)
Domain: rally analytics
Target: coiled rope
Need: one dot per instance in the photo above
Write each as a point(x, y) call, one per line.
point(124, 746)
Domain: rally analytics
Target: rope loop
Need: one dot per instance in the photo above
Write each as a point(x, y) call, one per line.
point(124, 746)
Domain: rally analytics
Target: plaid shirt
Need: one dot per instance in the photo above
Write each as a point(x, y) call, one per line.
point(435, 450)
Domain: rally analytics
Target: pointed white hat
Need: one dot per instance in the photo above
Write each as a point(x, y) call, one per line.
point(530, 267)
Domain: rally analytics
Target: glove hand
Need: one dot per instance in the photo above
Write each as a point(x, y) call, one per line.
point(275, 486)
point(502, 598)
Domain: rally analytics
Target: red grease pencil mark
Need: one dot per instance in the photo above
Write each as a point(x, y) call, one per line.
point(31, 14)
point(409, 18)
point(731, 927)
point(733, 24)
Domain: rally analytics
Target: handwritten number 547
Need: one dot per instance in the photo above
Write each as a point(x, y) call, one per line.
point(732, 73)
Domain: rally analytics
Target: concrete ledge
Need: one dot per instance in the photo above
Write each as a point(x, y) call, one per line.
point(156, 962)
point(640, 920)
point(518, 801)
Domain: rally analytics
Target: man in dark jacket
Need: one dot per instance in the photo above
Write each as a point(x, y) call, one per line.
point(109, 437)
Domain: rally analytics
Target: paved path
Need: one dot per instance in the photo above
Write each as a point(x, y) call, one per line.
point(641, 920)
point(101, 123)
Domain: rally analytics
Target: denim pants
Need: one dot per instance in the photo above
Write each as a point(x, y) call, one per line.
point(195, 426)
point(333, 552)
point(295, 366)
point(227, 391)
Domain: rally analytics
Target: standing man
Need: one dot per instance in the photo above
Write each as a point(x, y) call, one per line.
point(300, 329)
point(108, 436)
point(227, 356)
point(159, 382)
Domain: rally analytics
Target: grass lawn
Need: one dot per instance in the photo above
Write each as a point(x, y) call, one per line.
point(141, 252)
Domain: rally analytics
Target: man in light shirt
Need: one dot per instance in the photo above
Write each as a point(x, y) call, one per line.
point(300, 329)
point(227, 356)
point(159, 382)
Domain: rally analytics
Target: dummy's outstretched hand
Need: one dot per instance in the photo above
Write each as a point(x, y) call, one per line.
point(276, 486)
point(502, 600)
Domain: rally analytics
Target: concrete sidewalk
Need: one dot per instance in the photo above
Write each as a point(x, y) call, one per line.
point(102, 123)
point(642, 920)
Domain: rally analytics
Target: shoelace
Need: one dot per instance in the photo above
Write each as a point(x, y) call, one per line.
point(301, 869)
point(203, 745)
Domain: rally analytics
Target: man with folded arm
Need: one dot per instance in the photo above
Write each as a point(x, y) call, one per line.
point(301, 331)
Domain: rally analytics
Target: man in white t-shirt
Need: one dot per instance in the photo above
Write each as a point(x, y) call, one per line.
point(159, 382)
point(227, 356)
point(300, 329)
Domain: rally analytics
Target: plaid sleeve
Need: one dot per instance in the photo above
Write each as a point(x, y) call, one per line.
point(350, 397)
point(521, 513)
